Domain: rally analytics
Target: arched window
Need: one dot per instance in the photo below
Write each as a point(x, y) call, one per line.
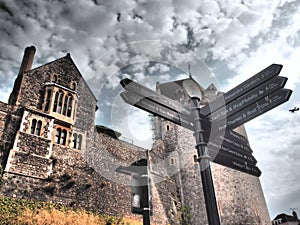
point(55, 102)
point(54, 79)
point(73, 86)
point(33, 125)
point(60, 102)
point(48, 99)
point(57, 135)
point(65, 105)
point(63, 137)
point(172, 161)
point(70, 102)
point(168, 127)
point(77, 140)
point(38, 128)
point(74, 142)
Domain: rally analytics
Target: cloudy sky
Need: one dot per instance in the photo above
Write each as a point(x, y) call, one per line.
point(231, 39)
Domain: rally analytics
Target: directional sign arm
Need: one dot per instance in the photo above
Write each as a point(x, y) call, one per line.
point(248, 98)
point(233, 153)
point(243, 88)
point(132, 86)
point(240, 165)
point(157, 109)
point(257, 108)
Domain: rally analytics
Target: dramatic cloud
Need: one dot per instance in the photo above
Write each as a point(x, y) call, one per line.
point(236, 39)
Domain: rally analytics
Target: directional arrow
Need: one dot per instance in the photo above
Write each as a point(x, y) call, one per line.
point(230, 152)
point(240, 165)
point(132, 86)
point(241, 89)
point(250, 97)
point(157, 109)
point(233, 144)
point(267, 103)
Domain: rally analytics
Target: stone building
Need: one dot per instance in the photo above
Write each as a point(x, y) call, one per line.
point(50, 147)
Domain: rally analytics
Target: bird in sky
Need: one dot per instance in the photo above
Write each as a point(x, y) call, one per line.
point(294, 109)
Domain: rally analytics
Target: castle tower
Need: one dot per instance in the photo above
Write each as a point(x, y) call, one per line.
point(239, 195)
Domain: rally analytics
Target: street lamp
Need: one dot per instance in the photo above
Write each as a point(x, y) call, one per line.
point(195, 93)
point(140, 183)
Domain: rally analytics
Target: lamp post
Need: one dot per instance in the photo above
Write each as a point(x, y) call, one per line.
point(140, 188)
point(195, 93)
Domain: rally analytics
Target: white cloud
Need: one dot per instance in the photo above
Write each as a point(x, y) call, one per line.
point(247, 37)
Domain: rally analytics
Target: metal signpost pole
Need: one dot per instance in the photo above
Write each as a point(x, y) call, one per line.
point(146, 217)
point(204, 161)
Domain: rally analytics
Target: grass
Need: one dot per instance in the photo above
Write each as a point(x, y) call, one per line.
point(26, 212)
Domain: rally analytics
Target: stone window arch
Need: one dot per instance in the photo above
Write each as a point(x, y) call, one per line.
point(60, 102)
point(64, 112)
point(74, 142)
point(54, 78)
point(48, 100)
point(168, 127)
point(61, 136)
point(77, 141)
point(57, 136)
point(172, 161)
point(70, 103)
point(36, 127)
point(55, 101)
point(33, 126)
point(73, 86)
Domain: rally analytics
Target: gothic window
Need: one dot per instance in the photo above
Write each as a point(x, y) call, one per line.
point(48, 99)
point(77, 141)
point(33, 125)
point(74, 142)
point(60, 102)
point(36, 127)
point(172, 161)
point(73, 86)
point(195, 159)
point(55, 102)
point(54, 79)
point(65, 105)
point(61, 136)
point(70, 102)
point(57, 136)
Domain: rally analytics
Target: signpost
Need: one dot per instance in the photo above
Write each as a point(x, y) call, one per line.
point(157, 109)
point(234, 163)
point(255, 96)
point(255, 109)
point(230, 152)
point(243, 88)
point(249, 98)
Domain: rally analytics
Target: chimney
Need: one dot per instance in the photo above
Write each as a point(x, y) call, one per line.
point(27, 59)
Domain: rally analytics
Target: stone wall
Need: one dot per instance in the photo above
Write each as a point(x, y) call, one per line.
point(240, 197)
point(78, 180)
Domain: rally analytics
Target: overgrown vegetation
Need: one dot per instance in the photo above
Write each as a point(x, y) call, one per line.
point(26, 212)
point(186, 216)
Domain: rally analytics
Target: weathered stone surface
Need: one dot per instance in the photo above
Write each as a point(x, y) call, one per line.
point(46, 167)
